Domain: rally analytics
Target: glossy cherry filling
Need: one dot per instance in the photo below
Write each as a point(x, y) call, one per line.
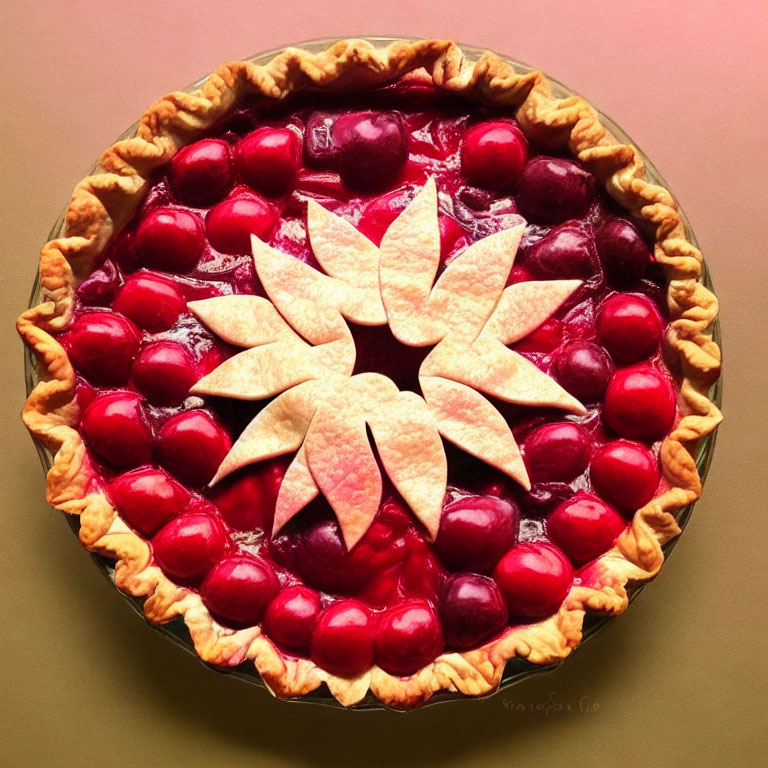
point(503, 555)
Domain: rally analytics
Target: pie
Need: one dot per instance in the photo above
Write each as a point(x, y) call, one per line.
point(380, 367)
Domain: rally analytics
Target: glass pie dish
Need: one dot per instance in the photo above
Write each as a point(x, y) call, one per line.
point(516, 669)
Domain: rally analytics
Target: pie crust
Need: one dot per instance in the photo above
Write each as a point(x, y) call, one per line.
point(103, 203)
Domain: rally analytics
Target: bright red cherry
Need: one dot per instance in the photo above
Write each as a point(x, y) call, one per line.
point(171, 239)
point(629, 327)
point(493, 154)
point(238, 590)
point(640, 404)
point(380, 212)
point(472, 610)
point(625, 474)
point(102, 346)
point(623, 252)
point(342, 640)
point(151, 301)
point(551, 190)
point(451, 234)
point(408, 637)
point(231, 223)
point(189, 546)
point(566, 251)
point(116, 430)
point(584, 369)
point(164, 372)
point(291, 617)
point(557, 452)
point(201, 173)
point(584, 527)
point(535, 577)
point(147, 498)
point(475, 531)
point(546, 338)
point(192, 446)
point(269, 160)
point(371, 148)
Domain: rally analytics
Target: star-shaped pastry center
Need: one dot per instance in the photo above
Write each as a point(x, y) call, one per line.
point(299, 350)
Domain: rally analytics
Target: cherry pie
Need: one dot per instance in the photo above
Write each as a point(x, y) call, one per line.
point(380, 367)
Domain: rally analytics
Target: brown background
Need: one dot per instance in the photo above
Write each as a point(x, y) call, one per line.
point(679, 680)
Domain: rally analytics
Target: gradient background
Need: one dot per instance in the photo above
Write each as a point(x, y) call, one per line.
point(679, 680)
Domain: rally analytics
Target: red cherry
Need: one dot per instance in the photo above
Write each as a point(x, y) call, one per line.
point(493, 154)
point(201, 173)
point(291, 617)
point(640, 404)
point(557, 452)
point(584, 369)
point(102, 346)
point(147, 499)
point(623, 252)
point(551, 190)
point(115, 429)
point(192, 446)
point(380, 213)
point(629, 327)
point(342, 640)
point(152, 302)
point(371, 148)
point(171, 239)
point(269, 160)
point(584, 527)
point(472, 610)
point(566, 251)
point(188, 547)
point(519, 274)
point(238, 590)
point(546, 338)
point(231, 223)
point(164, 372)
point(625, 474)
point(408, 637)
point(246, 498)
point(451, 235)
point(99, 287)
point(475, 531)
point(535, 577)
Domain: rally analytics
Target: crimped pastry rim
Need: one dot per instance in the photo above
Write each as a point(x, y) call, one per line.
point(105, 202)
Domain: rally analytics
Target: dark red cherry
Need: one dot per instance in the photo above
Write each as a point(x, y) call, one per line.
point(584, 369)
point(192, 445)
point(475, 531)
point(551, 190)
point(640, 404)
point(472, 610)
point(625, 474)
point(557, 452)
point(535, 577)
point(189, 546)
point(99, 287)
point(231, 223)
point(164, 372)
point(372, 148)
point(269, 160)
point(408, 637)
point(238, 590)
point(584, 527)
point(151, 301)
point(147, 498)
point(201, 173)
point(629, 327)
point(116, 430)
point(623, 252)
point(564, 252)
point(493, 154)
point(170, 239)
point(342, 640)
point(291, 617)
point(102, 346)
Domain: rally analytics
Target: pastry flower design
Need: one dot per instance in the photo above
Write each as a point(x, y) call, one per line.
point(299, 348)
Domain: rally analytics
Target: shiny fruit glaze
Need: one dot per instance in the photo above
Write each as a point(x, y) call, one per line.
point(503, 555)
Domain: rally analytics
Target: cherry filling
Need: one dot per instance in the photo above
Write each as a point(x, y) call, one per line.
point(503, 555)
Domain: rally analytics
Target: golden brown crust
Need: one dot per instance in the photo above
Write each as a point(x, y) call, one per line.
point(103, 203)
